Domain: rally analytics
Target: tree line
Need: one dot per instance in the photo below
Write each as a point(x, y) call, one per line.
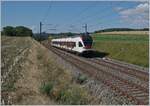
point(16, 31)
point(121, 29)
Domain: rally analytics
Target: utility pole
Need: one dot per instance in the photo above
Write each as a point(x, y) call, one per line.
point(85, 29)
point(40, 28)
point(40, 31)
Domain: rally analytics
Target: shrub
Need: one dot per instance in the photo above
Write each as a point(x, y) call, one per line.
point(73, 96)
point(81, 79)
point(17, 31)
point(47, 88)
point(39, 56)
point(9, 31)
point(23, 31)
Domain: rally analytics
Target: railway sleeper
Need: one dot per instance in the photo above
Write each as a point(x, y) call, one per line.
point(136, 91)
point(145, 99)
point(129, 97)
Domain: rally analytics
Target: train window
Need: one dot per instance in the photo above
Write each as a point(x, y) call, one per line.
point(80, 44)
point(72, 44)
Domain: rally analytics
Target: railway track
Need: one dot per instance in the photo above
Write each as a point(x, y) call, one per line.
point(132, 91)
point(129, 71)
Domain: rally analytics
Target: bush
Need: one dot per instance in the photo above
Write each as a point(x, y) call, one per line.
point(23, 31)
point(8, 31)
point(81, 79)
point(73, 96)
point(47, 88)
point(17, 31)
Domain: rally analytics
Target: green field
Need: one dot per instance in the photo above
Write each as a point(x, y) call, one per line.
point(129, 48)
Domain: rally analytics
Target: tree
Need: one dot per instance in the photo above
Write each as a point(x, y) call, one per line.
point(17, 31)
point(69, 34)
point(8, 31)
point(23, 31)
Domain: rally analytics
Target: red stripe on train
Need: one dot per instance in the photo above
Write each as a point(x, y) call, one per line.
point(88, 47)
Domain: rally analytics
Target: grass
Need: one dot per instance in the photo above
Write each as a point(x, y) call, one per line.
point(129, 48)
point(122, 37)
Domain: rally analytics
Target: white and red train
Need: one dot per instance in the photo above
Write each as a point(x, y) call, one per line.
point(77, 44)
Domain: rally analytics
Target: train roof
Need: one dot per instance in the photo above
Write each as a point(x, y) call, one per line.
point(76, 36)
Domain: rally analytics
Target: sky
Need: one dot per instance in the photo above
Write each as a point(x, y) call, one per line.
point(71, 16)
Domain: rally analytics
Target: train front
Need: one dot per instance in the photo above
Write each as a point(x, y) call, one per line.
point(87, 41)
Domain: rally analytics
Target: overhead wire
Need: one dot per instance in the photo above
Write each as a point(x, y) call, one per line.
point(84, 19)
point(87, 17)
point(85, 10)
point(81, 12)
point(111, 21)
point(47, 11)
point(107, 12)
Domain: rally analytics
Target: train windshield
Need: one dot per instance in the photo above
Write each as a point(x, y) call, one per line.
point(80, 44)
point(87, 40)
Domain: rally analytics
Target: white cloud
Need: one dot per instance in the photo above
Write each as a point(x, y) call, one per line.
point(137, 15)
point(141, 8)
point(118, 8)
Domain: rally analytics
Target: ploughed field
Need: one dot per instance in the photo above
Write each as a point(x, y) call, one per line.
point(128, 47)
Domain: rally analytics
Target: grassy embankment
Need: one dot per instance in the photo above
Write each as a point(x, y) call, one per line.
point(132, 48)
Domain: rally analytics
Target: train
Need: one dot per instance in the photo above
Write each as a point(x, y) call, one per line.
point(80, 44)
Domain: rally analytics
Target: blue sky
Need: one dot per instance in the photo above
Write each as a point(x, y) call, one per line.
point(65, 16)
